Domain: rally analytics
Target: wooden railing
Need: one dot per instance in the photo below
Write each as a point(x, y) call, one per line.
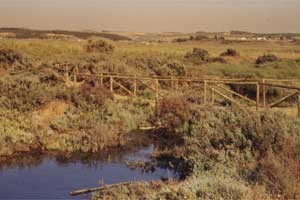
point(211, 86)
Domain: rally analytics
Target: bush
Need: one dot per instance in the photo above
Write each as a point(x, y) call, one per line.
point(199, 54)
point(171, 69)
point(230, 52)
point(232, 154)
point(177, 68)
point(173, 112)
point(95, 95)
point(217, 59)
point(266, 58)
point(181, 40)
point(86, 97)
point(25, 93)
point(268, 140)
point(9, 57)
point(100, 46)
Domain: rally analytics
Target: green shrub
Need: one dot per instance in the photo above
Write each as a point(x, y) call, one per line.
point(199, 54)
point(99, 46)
point(25, 93)
point(266, 59)
point(17, 133)
point(181, 40)
point(230, 52)
point(172, 113)
point(266, 145)
point(9, 56)
point(217, 59)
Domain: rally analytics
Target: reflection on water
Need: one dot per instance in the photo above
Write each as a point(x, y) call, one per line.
point(40, 177)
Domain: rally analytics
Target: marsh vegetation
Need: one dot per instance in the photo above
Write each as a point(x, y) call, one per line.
point(221, 152)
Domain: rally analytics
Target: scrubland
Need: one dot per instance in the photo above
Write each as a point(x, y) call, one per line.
point(221, 152)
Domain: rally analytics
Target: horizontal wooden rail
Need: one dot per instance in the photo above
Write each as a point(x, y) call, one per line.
point(199, 80)
point(67, 67)
point(280, 86)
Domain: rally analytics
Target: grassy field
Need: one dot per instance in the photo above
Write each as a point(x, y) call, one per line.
point(135, 57)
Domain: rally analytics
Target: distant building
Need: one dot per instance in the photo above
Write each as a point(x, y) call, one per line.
point(261, 38)
point(7, 35)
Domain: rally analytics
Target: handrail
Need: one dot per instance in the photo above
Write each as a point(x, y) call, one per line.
point(115, 78)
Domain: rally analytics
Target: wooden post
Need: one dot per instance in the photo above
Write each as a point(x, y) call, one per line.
point(67, 72)
point(156, 90)
point(75, 74)
point(205, 92)
point(264, 94)
point(257, 96)
point(135, 86)
point(111, 81)
point(298, 104)
point(101, 79)
point(212, 97)
point(176, 85)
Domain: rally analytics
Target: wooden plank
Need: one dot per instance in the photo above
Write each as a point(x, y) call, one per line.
point(205, 92)
point(257, 96)
point(232, 81)
point(123, 87)
point(237, 94)
point(185, 78)
point(280, 86)
point(151, 88)
point(225, 96)
point(283, 80)
point(75, 74)
point(177, 85)
point(67, 73)
point(111, 84)
point(298, 104)
point(156, 89)
point(212, 97)
point(135, 86)
point(89, 190)
point(264, 93)
point(283, 99)
point(101, 79)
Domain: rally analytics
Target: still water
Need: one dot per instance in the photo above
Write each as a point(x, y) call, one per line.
point(53, 178)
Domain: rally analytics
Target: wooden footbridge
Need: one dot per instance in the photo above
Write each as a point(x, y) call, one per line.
point(211, 89)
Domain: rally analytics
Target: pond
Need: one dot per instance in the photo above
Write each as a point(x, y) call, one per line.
point(49, 177)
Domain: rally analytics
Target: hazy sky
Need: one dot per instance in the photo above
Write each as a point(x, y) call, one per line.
point(153, 15)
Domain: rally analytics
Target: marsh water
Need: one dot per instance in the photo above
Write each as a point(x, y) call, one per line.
point(49, 177)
